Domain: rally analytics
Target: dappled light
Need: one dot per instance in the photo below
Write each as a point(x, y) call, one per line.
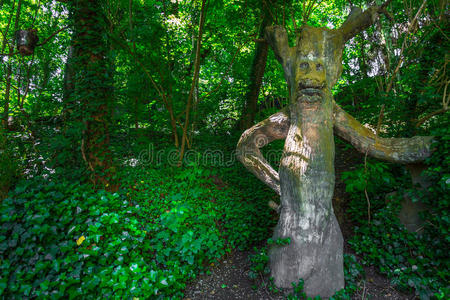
point(224, 149)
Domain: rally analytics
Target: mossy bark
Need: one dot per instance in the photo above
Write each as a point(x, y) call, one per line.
point(315, 252)
point(306, 177)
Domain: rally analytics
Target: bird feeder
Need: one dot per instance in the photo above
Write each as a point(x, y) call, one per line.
point(26, 41)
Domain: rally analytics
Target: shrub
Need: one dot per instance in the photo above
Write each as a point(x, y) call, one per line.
point(8, 166)
point(62, 240)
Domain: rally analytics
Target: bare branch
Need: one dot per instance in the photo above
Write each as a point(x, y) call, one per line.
point(445, 108)
point(358, 20)
point(51, 36)
point(411, 29)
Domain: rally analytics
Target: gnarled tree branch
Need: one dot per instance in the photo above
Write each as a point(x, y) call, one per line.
point(273, 128)
point(398, 150)
point(277, 38)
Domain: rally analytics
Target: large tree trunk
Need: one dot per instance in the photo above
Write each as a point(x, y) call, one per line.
point(315, 252)
point(92, 87)
point(306, 174)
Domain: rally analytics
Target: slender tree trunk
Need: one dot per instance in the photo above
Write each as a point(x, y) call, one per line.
point(9, 69)
point(256, 75)
point(194, 80)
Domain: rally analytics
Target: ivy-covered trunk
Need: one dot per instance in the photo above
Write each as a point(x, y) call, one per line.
point(92, 93)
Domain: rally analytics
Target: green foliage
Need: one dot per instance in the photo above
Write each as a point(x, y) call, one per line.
point(298, 292)
point(259, 263)
point(362, 180)
point(165, 225)
point(60, 239)
point(359, 179)
point(412, 261)
point(260, 258)
point(437, 194)
point(9, 169)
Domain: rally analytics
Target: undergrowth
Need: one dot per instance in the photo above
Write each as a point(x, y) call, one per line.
point(415, 262)
point(60, 239)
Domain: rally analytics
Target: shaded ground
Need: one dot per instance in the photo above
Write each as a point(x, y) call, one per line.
point(230, 280)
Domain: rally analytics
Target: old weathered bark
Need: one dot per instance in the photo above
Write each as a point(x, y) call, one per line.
point(305, 180)
point(398, 150)
point(307, 184)
point(273, 128)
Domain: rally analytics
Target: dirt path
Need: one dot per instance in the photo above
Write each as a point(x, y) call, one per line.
point(229, 280)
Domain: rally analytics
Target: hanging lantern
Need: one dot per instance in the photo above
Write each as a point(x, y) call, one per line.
point(26, 41)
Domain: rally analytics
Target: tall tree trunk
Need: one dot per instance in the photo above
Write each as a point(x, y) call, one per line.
point(306, 217)
point(305, 180)
point(92, 88)
point(256, 74)
point(9, 68)
point(194, 80)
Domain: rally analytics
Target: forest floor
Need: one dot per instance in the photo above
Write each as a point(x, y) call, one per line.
point(229, 279)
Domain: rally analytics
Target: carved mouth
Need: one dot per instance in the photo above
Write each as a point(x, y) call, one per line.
point(310, 92)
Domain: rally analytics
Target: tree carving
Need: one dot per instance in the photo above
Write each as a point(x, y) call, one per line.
point(305, 179)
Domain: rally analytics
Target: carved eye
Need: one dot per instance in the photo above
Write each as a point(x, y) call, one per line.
point(304, 66)
point(319, 67)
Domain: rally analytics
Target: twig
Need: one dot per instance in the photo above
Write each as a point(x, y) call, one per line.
point(365, 188)
point(445, 102)
point(265, 286)
point(364, 291)
point(51, 36)
point(409, 30)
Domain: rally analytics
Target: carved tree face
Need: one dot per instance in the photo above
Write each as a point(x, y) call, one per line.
point(315, 63)
point(310, 79)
